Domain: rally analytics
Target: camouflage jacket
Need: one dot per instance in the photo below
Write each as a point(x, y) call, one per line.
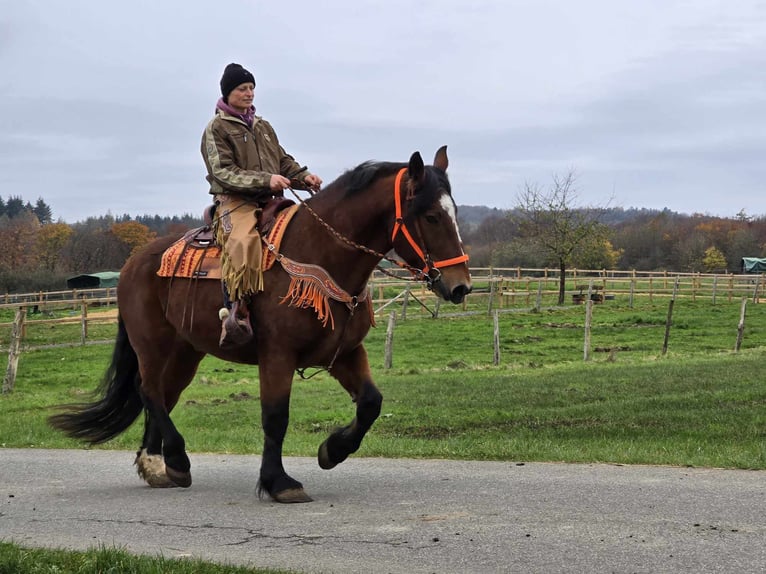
point(241, 160)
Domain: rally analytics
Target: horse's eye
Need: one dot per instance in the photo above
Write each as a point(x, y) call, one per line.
point(432, 219)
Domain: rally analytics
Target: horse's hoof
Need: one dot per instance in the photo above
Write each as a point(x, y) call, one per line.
point(292, 495)
point(182, 479)
point(323, 457)
point(159, 481)
point(151, 468)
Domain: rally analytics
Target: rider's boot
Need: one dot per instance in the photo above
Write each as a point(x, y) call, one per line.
point(236, 329)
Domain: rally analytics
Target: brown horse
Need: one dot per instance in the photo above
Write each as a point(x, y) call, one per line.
point(166, 326)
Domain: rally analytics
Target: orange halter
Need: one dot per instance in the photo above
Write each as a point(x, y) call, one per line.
point(399, 225)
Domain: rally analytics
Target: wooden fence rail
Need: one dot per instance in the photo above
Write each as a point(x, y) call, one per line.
point(494, 290)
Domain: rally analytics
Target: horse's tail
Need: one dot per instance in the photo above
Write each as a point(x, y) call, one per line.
point(120, 401)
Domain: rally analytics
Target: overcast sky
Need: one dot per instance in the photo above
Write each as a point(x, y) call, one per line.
point(652, 103)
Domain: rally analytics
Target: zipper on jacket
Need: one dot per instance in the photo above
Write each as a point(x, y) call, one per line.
point(257, 150)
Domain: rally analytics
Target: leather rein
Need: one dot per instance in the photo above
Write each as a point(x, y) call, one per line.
point(430, 271)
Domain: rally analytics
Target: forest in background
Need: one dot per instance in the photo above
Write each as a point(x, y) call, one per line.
point(40, 253)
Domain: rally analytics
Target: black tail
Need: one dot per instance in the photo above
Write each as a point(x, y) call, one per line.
point(119, 406)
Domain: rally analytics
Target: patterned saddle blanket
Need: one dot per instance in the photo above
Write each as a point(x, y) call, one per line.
point(197, 255)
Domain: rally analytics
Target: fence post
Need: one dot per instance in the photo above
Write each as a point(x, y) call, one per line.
point(715, 287)
point(741, 325)
point(496, 339)
point(757, 284)
point(669, 320)
point(491, 294)
point(632, 290)
point(588, 319)
point(389, 354)
point(539, 300)
point(84, 321)
point(405, 302)
point(13, 352)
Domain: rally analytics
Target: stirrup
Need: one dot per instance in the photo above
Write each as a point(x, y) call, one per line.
point(236, 331)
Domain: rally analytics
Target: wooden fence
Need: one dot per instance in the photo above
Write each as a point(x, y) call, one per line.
point(495, 290)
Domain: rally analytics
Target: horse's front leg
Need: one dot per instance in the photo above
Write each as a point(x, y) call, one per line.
point(353, 372)
point(276, 379)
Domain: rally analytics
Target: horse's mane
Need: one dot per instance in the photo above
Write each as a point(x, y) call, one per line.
point(365, 174)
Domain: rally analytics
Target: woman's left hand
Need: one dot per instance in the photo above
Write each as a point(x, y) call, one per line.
point(313, 182)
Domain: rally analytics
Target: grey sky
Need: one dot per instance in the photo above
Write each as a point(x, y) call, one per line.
point(653, 103)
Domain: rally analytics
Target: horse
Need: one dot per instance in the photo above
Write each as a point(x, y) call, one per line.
point(341, 233)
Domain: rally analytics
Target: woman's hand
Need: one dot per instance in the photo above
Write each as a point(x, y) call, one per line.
point(313, 182)
point(278, 183)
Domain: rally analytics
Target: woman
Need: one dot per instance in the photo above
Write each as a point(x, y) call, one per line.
point(246, 167)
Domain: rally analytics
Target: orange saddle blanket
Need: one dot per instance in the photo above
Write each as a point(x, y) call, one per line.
point(193, 257)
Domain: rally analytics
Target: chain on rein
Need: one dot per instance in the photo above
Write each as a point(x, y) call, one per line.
point(429, 274)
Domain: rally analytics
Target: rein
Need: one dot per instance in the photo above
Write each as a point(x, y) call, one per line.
point(343, 239)
point(424, 274)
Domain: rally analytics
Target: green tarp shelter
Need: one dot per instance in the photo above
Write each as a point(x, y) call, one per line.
point(753, 265)
point(94, 280)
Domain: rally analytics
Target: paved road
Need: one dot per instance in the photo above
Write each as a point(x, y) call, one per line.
point(397, 516)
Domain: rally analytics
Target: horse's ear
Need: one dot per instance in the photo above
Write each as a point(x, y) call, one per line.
point(416, 170)
point(440, 159)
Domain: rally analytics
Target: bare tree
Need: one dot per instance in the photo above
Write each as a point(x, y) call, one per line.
point(549, 220)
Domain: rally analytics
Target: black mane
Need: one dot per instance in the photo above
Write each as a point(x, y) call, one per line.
point(367, 173)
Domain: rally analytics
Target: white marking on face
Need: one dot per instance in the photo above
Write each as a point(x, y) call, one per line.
point(449, 207)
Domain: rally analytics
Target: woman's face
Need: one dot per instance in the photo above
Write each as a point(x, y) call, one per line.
point(241, 97)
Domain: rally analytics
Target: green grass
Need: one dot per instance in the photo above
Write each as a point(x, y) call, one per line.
point(700, 405)
point(18, 560)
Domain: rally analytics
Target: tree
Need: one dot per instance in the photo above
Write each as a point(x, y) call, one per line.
point(14, 206)
point(597, 256)
point(713, 260)
point(549, 220)
point(135, 235)
point(51, 240)
point(18, 252)
point(90, 250)
point(43, 211)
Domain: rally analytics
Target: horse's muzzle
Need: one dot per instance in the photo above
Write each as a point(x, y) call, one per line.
point(455, 295)
point(459, 293)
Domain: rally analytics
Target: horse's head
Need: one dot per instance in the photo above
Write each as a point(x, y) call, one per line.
point(425, 232)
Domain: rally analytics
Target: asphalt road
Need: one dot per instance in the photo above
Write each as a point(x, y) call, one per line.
point(397, 516)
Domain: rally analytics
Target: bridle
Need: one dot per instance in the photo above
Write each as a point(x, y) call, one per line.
point(429, 273)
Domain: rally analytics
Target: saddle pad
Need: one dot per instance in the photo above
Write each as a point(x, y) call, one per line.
point(183, 259)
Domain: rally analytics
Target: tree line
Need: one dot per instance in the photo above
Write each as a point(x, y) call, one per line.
point(39, 254)
point(546, 229)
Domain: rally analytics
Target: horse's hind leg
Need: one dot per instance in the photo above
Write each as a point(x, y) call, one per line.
point(162, 460)
point(149, 461)
point(353, 372)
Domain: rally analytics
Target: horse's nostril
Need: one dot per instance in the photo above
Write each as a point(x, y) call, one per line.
point(459, 293)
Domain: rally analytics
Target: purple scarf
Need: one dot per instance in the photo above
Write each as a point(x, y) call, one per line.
point(247, 117)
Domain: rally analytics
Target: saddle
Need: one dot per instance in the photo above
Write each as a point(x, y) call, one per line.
point(197, 255)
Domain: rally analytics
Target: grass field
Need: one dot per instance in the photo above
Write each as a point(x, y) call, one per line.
point(701, 404)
